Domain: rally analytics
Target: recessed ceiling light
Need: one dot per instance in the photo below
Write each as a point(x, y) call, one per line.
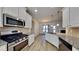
point(36, 10)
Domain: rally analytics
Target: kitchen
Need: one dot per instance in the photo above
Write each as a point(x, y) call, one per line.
point(15, 25)
point(20, 26)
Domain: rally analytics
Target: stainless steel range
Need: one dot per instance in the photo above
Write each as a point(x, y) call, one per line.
point(14, 40)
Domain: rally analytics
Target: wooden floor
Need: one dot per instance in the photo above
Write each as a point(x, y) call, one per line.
point(40, 45)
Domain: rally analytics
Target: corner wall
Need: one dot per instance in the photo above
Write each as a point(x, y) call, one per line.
point(36, 27)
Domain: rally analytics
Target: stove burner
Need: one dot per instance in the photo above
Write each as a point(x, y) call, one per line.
point(12, 37)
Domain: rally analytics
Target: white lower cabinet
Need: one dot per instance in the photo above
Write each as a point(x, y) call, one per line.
point(3, 48)
point(31, 39)
point(53, 39)
point(74, 49)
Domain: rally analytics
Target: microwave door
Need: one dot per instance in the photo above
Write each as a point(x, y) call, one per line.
point(20, 23)
point(9, 21)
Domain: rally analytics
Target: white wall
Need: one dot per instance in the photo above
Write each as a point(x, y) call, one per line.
point(36, 27)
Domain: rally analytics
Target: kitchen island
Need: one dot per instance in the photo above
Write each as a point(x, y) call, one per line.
point(70, 39)
point(53, 39)
point(72, 43)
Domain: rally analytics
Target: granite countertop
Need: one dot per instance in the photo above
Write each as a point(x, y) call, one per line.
point(2, 42)
point(71, 40)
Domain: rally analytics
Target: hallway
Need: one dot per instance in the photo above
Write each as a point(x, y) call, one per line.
point(40, 45)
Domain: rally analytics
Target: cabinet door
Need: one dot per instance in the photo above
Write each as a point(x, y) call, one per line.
point(22, 13)
point(65, 14)
point(3, 48)
point(31, 39)
point(74, 16)
point(1, 20)
point(28, 21)
point(13, 11)
point(74, 49)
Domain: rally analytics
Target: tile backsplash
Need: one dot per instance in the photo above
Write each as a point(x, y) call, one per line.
point(73, 32)
point(24, 30)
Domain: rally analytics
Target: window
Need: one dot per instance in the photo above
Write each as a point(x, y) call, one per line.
point(45, 28)
point(54, 29)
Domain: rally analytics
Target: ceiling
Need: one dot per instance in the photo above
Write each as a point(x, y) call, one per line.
point(44, 13)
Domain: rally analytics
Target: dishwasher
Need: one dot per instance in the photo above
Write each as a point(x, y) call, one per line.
point(64, 46)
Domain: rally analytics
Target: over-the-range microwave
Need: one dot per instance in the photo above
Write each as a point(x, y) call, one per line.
point(21, 23)
point(9, 20)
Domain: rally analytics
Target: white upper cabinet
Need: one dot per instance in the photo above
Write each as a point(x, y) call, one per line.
point(70, 17)
point(1, 19)
point(28, 21)
point(65, 17)
point(26, 17)
point(13, 11)
point(18, 12)
point(74, 16)
point(22, 13)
